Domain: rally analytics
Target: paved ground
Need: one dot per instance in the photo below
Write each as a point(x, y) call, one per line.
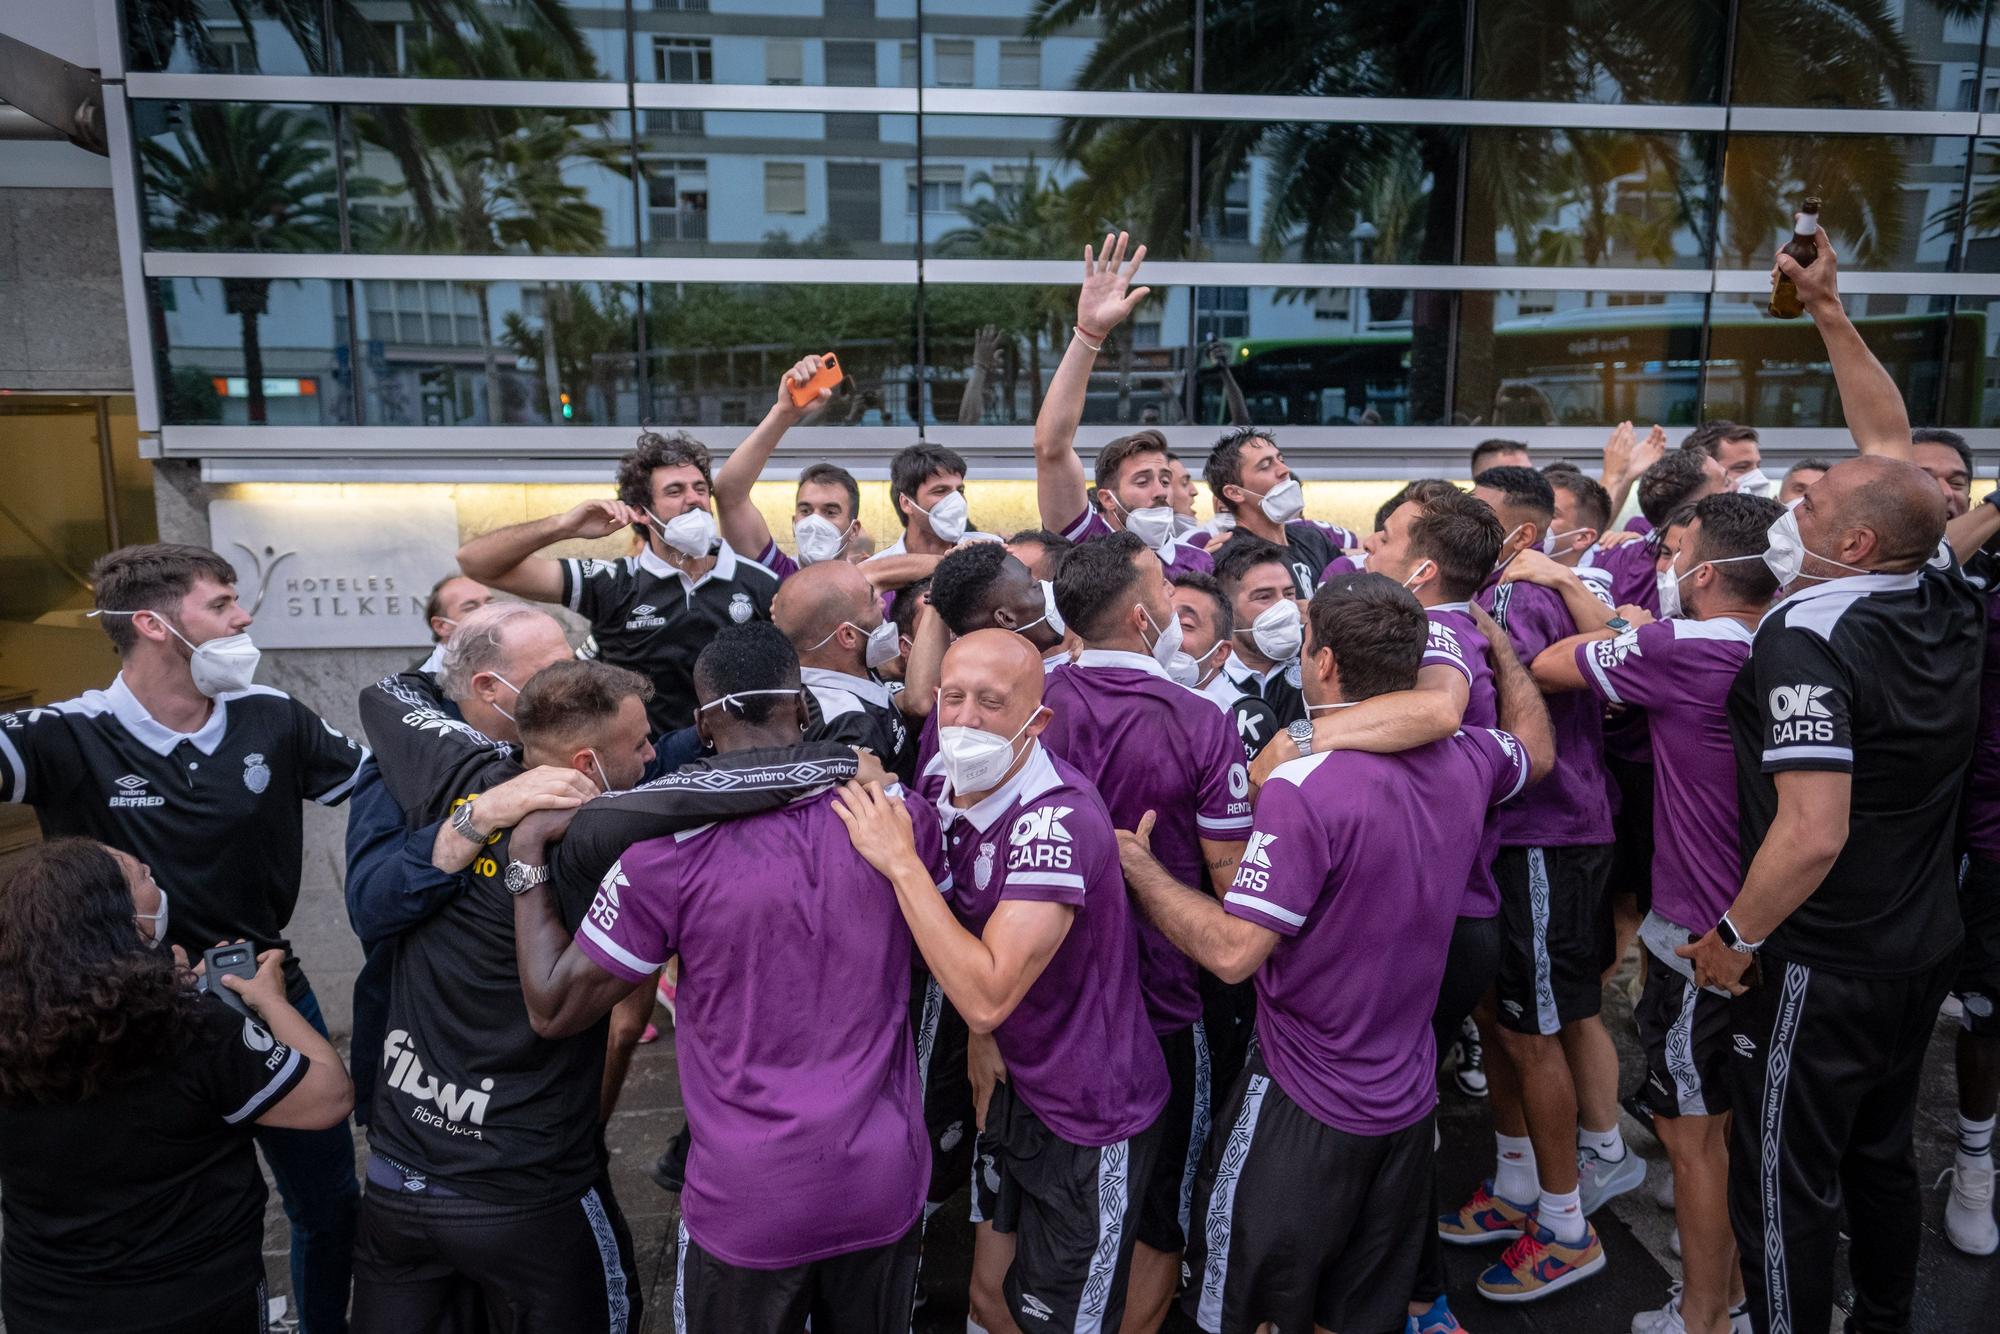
point(1956, 1294)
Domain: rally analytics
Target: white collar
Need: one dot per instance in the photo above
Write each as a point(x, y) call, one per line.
point(433, 666)
point(1220, 689)
point(1032, 779)
point(1056, 658)
point(1715, 627)
point(1851, 585)
point(1239, 670)
point(657, 565)
point(862, 687)
point(1116, 657)
point(156, 736)
point(1463, 607)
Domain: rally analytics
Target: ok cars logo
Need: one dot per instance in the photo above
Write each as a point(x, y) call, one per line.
point(1798, 716)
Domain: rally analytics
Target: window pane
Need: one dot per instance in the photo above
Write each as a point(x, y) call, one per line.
point(814, 42)
point(1771, 372)
point(478, 39)
point(1578, 358)
point(951, 63)
point(213, 37)
point(489, 181)
point(1857, 55)
point(1972, 396)
point(1115, 47)
point(1020, 64)
point(1529, 51)
point(253, 351)
point(237, 176)
point(1588, 197)
point(1326, 193)
point(1982, 215)
point(784, 61)
point(850, 64)
point(784, 187)
point(1029, 195)
point(1361, 50)
point(715, 351)
point(1890, 199)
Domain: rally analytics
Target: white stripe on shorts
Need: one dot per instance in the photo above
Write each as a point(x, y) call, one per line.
point(1219, 1221)
point(1198, 1132)
point(1680, 1055)
point(1547, 1022)
point(1777, 1071)
point(618, 1303)
point(1114, 1165)
point(681, 1281)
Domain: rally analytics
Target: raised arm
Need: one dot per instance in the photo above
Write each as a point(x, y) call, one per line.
point(1400, 720)
point(742, 526)
point(1876, 416)
point(1586, 608)
point(566, 992)
point(921, 668)
point(1101, 305)
point(1518, 700)
point(505, 558)
point(1626, 461)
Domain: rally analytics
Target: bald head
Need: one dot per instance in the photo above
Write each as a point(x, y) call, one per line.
point(826, 610)
point(1875, 513)
point(490, 657)
point(992, 680)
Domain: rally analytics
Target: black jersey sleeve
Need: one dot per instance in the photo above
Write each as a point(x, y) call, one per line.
point(429, 759)
point(39, 758)
point(594, 588)
point(329, 760)
point(723, 787)
point(235, 1067)
point(1805, 701)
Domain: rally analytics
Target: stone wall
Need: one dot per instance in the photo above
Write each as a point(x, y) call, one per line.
point(62, 311)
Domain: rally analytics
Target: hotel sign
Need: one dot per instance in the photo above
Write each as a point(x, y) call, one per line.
point(328, 575)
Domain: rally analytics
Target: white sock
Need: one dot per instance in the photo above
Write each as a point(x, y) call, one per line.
point(1563, 1215)
point(1514, 1179)
point(1606, 1144)
point(1975, 1140)
point(971, 1328)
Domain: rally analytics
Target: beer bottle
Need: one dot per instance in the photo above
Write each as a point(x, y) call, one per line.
point(1803, 247)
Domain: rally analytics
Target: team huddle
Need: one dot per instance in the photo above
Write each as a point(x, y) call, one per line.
point(1148, 873)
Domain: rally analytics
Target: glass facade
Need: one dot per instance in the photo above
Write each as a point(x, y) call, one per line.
point(1464, 213)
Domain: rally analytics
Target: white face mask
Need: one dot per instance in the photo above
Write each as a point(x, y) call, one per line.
point(732, 704)
point(691, 532)
point(1787, 554)
point(1049, 613)
point(947, 517)
point(1420, 574)
point(220, 666)
point(819, 540)
point(1223, 522)
point(603, 781)
point(883, 642)
point(1284, 502)
point(1186, 669)
point(1511, 532)
point(975, 760)
point(1185, 523)
point(1755, 483)
point(1168, 637)
point(1553, 543)
point(156, 922)
point(517, 695)
point(1154, 525)
point(1278, 631)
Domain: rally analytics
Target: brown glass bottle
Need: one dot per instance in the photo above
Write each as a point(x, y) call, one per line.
point(1803, 247)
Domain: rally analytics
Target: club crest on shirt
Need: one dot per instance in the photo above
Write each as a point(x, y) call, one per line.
point(1294, 677)
point(739, 608)
point(982, 866)
point(256, 774)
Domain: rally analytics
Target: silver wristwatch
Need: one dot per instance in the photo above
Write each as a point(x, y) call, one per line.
point(522, 877)
point(1301, 733)
point(461, 822)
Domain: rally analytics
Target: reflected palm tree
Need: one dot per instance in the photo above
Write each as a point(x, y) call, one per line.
point(242, 177)
point(580, 342)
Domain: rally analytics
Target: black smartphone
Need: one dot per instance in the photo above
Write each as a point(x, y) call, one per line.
point(237, 960)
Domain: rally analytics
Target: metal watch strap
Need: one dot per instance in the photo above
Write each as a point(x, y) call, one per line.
point(522, 877)
point(1301, 733)
point(461, 822)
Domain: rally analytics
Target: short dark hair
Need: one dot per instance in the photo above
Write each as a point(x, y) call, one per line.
point(1390, 506)
point(913, 466)
point(962, 586)
point(1096, 582)
point(753, 656)
point(1458, 531)
point(1521, 488)
point(1938, 435)
point(635, 470)
point(1487, 449)
point(1225, 610)
point(1043, 537)
point(1225, 462)
point(1710, 436)
point(1671, 483)
point(434, 604)
point(152, 577)
point(903, 603)
point(569, 697)
point(1734, 524)
point(1243, 553)
point(1819, 464)
point(832, 474)
point(1593, 502)
point(1376, 629)
point(1113, 455)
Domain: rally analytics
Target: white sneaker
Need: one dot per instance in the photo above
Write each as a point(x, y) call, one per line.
point(1667, 1320)
point(1600, 1181)
point(1953, 1008)
point(1968, 1214)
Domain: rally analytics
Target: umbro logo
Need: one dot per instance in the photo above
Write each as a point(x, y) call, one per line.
point(645, 616)
point(1035, 1306)
point(132, 792)
point(1255, 854)
point(1744, 1046)
point(1788, 702)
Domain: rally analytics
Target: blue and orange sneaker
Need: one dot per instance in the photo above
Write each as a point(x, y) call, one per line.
point(1483, 1218)
point(1537, 1265)
point(1437, 1320)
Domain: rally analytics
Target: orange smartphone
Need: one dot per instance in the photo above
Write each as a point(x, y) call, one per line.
point(829, 377)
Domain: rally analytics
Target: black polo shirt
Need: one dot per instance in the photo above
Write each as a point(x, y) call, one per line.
point(859, 711)
point(1310, 546)
point(1875, 676)
point(214, 812)
point(649, 617)
point(1280, 688)
point(430, 757)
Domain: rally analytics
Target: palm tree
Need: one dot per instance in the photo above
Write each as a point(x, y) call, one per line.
point(242, 177)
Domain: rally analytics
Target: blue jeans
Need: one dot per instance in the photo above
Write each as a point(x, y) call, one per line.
point(314, 1170)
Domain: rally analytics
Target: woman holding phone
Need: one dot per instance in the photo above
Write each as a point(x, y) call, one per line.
point(129, 1189)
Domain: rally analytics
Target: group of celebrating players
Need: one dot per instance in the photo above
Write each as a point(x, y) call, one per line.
point(1209, 850)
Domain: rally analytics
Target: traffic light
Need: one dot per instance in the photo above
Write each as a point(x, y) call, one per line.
point(567, 411)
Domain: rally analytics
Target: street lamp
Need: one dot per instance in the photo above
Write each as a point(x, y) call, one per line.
point(1363, 236)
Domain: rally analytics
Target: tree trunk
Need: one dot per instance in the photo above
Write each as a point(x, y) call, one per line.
point(1431, 311)
point(253, 365)
point(1125, 375)
point(551, 371)
point(496, 407)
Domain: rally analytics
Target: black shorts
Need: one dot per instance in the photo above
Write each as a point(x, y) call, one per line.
point(1551, 910)
point(861, 1292)
point(1632, 830)
point(1229, 1019)
point(1978, 982)
point(948, 1124)
point(1469, 967)
point(1073, 1211)
point(566, 1266)
point(1299, 1224)
point(1183, 1126)
point(1684, 1031)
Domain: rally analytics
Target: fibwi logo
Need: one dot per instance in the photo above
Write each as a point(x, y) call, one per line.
point(132, 792)
point(645, 616)
point(406, 1073)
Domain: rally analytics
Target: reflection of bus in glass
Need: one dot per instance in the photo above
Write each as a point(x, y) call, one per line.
point(1591, 366)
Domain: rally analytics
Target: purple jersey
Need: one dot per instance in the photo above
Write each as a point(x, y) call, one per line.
point(794, 1037)
point(1982, 784)
point(1360, 862)
point(1639, 524)
point(1679, 673)
point(1631, 568)
point(1077, 1048)
point(1456, 642)
point(1179, 556)
point(1148, 744)
point(776, 561)
point(1343, 564)
point(1572, 806)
